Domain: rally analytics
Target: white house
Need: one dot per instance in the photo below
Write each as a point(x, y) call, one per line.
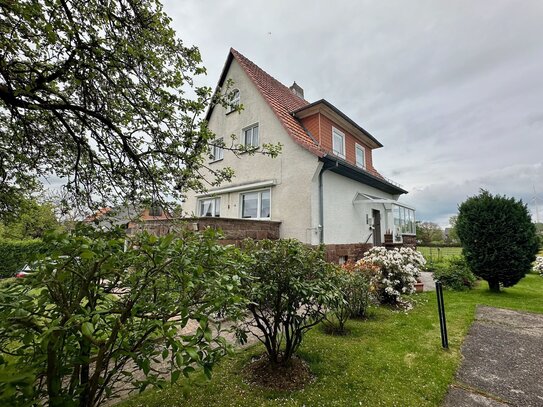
point(323, 187)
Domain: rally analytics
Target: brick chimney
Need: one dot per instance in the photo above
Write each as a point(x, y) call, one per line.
point(297, 90)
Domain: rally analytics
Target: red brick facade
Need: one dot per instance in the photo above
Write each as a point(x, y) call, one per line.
point(349, 252)
point(320, 127)
point(234, 230)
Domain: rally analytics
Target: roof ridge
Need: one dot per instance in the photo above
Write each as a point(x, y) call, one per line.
point(239, 55)
point(281, 100)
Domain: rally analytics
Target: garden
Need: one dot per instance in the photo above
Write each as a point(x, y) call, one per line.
point(102, 316)
point(393, 358)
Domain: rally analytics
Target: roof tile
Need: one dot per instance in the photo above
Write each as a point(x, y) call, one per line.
point(282, 101)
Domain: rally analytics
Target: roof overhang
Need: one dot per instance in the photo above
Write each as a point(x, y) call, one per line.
point(366, 199)
point(333, 113)
point(238, 188)
point(222, 78)
point(357, 174)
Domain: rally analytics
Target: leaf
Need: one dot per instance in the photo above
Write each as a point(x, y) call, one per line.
point(175, 376)
point(187, 370)
point(87, 328)
point(192, 353)
point(207, 371)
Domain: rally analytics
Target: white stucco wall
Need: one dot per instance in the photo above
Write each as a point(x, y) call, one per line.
point(291, 172)
point(345, 222)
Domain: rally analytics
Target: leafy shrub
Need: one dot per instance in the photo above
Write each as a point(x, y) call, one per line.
point(538, 265)
point(93, 312)
point(455, 274)
point(353, 282)
point(498, 238)
point(14, 254)
point(398, 272)
point(288, 290)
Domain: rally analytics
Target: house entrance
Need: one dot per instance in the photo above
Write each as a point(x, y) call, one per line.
point(376, 215)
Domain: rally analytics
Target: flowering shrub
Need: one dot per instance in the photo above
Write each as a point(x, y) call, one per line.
point(398, 272)
point(538, 265)
point(353, 282)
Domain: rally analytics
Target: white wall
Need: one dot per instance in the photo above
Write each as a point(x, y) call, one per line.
point(292, 171)
point(345, 222)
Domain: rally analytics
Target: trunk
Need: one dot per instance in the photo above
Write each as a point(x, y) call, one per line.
point(53, 370)
point(494, 286)
point(85, 371)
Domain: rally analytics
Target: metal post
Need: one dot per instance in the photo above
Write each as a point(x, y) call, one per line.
point(441, 311)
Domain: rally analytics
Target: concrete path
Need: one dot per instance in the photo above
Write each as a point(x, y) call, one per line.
point(428, 279)
point(502, 361)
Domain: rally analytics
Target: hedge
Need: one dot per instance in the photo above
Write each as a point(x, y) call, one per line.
point(14, 254)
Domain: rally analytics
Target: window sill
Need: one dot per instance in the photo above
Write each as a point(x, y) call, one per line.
point(216, 161)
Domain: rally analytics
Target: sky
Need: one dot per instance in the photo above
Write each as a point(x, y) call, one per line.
point(453, 90)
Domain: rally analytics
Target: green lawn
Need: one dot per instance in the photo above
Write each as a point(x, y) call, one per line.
point(435, 254)
point(393, 359)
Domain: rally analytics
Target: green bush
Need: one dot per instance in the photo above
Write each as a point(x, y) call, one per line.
point(498, 238)
point(353, 282)
point(455, 274)
point(289, 288)
point(14, 254)
point(96, 308)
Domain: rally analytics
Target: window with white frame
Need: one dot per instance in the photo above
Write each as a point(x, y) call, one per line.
point(234, 101)
point(210, 207)
point(338, 142)
point(217, 152)
point(250, 136)
point(256, 205)
point(404, 220)
point(360, 153)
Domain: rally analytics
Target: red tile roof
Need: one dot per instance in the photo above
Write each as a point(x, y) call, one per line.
point(282, 101)
point(284, 104)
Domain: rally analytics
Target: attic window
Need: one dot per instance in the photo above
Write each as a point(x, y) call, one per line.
point(155, 211)
point(234, 101)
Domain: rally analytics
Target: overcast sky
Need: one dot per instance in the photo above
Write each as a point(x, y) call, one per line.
point(453, 90)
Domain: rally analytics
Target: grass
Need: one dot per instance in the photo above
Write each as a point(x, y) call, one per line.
point(436, 254)
point(392, 359)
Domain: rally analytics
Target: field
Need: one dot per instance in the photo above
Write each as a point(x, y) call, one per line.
point(436, 254)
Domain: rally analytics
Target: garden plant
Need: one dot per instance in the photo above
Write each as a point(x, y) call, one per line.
point(498, 238)
point(102, 314)
point(398, 272)
point(288, 288)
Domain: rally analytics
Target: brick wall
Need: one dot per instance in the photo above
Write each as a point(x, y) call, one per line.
point(234, 230)
point(352, 252)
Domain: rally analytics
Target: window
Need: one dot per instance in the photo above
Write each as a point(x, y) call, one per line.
point(256, 205)
point(217, 152)
point(338, 142)
point(155, 211)
point(234, 101)
point(404, 220)
point(250, 136)
point(360, 156)
point(210, 207)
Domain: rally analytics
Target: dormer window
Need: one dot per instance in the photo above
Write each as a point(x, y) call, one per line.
point(338, 142)
point(250, 136)
point(360, 156)
point(234, 101)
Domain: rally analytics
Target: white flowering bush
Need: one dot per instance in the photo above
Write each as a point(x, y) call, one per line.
point(538, 265)
point(398, 272)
